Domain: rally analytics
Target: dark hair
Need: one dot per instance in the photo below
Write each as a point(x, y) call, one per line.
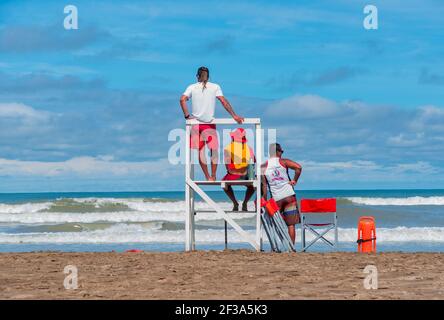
point(274, 149)
point(203, 75)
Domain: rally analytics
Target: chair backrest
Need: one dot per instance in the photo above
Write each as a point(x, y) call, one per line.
point(318, 211)
point(318, 205)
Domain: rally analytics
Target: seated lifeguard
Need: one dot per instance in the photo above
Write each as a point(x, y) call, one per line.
point(238, 156)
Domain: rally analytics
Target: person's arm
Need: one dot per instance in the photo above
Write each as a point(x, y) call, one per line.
point(252, 155)
point(263, 183)
point(227, 160)
point(183, 104)
point(297, 170)
point(229, 109)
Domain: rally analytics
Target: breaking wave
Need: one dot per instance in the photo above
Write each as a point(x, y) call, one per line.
point(410, 201)
point(92, 210)
point(133, 233)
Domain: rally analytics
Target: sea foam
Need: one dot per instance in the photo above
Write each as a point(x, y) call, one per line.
point(124, 233)
point(30, 207)
point(113, 217)
point(410, 201)
point(138, 210)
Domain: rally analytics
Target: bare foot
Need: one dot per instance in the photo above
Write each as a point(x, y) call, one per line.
point(211, 178)
point(235, 206)
point(244, 206)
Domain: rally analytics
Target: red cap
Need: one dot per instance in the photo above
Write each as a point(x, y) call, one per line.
point(239, 135)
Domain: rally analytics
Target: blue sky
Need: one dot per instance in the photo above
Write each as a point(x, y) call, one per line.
point(91, 109)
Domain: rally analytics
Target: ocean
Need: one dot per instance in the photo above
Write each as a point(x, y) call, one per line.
point(406, 220)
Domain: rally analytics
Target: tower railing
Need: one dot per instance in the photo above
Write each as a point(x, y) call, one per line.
point(193, 187)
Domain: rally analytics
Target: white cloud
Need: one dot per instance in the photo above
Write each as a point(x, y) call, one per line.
point(365, 167)
point(87, 166)
point(419, 167)
point(20, 122)
point(429, 118)
point(60, 70)
point(304, 106)
point(406, 140)
point(339, 165)
point(343, 142)
point(368, 174)
point(22, 111)
point(316, 128)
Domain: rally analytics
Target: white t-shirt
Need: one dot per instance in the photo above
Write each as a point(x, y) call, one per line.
point(203, 101)
point(278, 180)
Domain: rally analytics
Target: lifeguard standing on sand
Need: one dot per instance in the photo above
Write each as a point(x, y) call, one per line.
point(275, 176)
point(203, 96)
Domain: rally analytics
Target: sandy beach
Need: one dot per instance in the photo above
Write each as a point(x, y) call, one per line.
point(237, 274)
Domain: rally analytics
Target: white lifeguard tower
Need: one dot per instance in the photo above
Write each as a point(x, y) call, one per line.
point(194, 186)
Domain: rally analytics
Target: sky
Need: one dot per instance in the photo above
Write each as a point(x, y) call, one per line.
point(91, 109)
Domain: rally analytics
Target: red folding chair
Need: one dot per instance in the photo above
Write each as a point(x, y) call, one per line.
point(318, 214)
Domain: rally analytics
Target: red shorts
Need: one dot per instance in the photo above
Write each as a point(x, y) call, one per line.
point(204, 134)
point(230, 176)
point(289, 210)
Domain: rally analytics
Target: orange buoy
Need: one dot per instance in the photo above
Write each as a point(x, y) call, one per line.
point(366, 234)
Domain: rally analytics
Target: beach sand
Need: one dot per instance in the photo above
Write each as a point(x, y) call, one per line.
point(237, 274)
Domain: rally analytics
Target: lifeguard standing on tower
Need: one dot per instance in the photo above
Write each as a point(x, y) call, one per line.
point(203, 96)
